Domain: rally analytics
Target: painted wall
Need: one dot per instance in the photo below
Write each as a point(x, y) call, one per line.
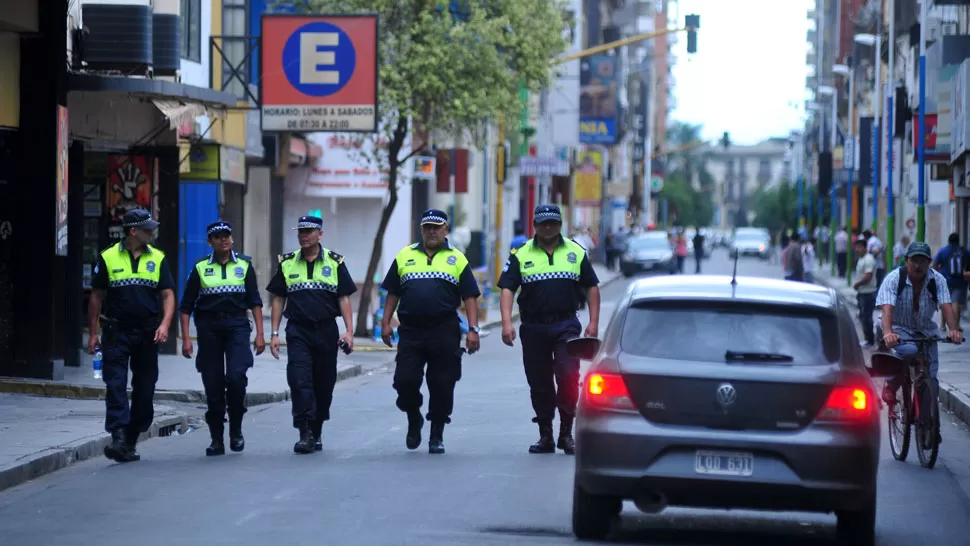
point(194, 73)
point(232, 129)
point(9, 80)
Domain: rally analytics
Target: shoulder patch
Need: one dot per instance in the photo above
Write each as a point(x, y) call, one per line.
point(336, 257)
point(413, 245)
point(286, 256)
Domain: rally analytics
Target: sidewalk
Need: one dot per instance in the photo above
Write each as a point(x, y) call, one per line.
point(954, 373)
point(48, 425)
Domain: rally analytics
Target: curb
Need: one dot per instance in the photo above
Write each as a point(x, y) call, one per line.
point(54, 459)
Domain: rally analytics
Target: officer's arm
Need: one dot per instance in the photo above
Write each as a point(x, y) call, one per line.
point(509, 282)
point(254, 300)
point(468, 287)
point(345, 288)
point(589, 281)
point(189, 298)
point(277, 288)
point(166, 284)
point(99, 284)
point(391, 283)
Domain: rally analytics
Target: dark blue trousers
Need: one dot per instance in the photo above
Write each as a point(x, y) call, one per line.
point(223, 360)
point(545, 359)
point(121, 349)
point(311, 370)
point(437, 345)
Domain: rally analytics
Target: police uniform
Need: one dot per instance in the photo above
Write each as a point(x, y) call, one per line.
point(130, 314)
point(429, 291)
point(553, 287)
point(312, 291)
point(219, 295)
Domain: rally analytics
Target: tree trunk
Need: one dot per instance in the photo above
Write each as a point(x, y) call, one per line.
point(394, 162)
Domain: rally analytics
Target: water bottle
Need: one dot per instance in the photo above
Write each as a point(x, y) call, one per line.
point(97, 363)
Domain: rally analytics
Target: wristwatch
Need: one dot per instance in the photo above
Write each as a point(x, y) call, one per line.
point(276, 334)
point(477, 329)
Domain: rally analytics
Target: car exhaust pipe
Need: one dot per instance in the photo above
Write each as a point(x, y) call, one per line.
point(651, 503)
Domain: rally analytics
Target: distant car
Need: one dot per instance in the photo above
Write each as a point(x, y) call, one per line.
point(647, 252)
point(751, 244)
point(709, 394)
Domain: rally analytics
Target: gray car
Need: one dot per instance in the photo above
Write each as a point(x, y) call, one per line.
point(710, 393)
point(648, 252)
point(751, 245)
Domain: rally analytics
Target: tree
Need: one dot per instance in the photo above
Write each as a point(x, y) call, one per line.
point(776, 208)
point(450, 66)
point(692, 207)
point(685, 165)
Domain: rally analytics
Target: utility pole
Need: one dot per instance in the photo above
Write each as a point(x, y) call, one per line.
point(921, 176)
point(891, 127)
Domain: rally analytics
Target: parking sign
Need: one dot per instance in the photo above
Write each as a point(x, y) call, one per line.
point(318, 73)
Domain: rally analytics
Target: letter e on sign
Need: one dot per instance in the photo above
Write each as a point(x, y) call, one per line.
point(313, 56)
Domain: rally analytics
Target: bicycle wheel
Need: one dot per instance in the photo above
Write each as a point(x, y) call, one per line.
point(927, 425)
point(899, 418)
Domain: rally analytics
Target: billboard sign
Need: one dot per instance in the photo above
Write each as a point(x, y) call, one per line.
point(597, 100)
point(319, 73)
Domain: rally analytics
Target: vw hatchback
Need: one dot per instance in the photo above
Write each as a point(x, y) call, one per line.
point(710, 392)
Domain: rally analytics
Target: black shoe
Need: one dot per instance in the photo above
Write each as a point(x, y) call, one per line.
point(566, 442)
point(436, 442)
point(120, 450)
point(318, 436)
point(415, 422)
point(305, 444)
point(237, 442)
point(545, 444)
point(217, 447)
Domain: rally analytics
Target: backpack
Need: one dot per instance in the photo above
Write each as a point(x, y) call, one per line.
point(931, 286)
point(953, 266)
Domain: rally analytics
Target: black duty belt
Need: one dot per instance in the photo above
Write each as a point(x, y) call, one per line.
point(547, 318)
point(220, 315)
point(418, 321)
point(129, 325)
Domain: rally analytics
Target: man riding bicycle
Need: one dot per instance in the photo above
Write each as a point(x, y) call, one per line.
point(908, 298)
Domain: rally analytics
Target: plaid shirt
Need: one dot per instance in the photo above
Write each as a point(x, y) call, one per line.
point(903, 314)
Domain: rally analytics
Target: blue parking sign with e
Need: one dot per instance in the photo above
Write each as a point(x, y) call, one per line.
point(319, 59)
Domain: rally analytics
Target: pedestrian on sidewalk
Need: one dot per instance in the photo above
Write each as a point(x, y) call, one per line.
point(128, 280)
point(221, 288)
point(555, 274)
point(866, 288)
point(841, 241)
point(314, 286)
point(808, 260)
point(791, 259)
point(680, 250)
point(878, 251)
point(952, 261)
point(430, 280)
point(698, 243)
point(899, 252)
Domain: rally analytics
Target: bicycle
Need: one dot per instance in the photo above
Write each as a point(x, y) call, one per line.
point(921, 411)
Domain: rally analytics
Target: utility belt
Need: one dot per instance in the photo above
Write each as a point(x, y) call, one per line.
point(546, 318)
point(220, 315)
point(111, 327)
point(427, 321)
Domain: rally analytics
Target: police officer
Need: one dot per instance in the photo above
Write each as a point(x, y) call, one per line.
point(555, 276)
point(430, 280)
point(314, 285)
point(128, 279)
point(221, 287)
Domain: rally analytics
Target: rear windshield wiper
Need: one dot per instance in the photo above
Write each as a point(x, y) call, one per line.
point(737, 356)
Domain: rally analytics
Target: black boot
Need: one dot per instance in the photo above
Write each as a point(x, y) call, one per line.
point(119, 450)
point(218, 445)
point(318, 436)
point(566, 442)
point(305, 444)
point(236, 441)
point(545, 444)
point(415, 422)
point(436, 440)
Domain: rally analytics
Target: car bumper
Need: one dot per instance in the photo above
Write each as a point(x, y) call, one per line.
point(752, 252)
point(820, 468)
point(646, 265)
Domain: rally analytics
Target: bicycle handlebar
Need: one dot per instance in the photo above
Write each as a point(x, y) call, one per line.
point(929, 339)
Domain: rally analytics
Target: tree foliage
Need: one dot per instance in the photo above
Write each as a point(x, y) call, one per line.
point(685, 168)
point(448, 66)
point(776, 208)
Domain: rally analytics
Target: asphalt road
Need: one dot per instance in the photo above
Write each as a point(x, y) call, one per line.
point(365, 488)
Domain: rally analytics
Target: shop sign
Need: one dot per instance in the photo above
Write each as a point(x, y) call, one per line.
point(204, 162)
point(232, 166)
point(345, 170)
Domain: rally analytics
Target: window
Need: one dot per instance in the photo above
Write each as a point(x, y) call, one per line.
point(704, 332)
point(191, 19)
point(236, 47)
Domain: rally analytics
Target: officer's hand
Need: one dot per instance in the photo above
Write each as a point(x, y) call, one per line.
point(472, 342)
point(161, 334)
point(386, 334)
point(592, 330)
point(93, 343)
point(508, 334)
point(259, 345)
point(274, 347)
point(348, 338)
point(187, 348)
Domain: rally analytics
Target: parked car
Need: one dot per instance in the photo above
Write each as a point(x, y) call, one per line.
point(711, 394)
point(649, 251)
point(751, 243)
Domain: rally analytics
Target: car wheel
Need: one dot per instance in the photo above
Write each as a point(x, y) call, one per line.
point(593, 515)
point(858, 527)
point(627, 274)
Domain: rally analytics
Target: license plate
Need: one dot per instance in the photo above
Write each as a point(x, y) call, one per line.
point(724, 463)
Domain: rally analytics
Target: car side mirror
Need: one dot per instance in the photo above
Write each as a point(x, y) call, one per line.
point(583, 348)
point(883, 365)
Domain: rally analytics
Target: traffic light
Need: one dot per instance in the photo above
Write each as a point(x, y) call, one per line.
point(693, 22)
point(726, 140)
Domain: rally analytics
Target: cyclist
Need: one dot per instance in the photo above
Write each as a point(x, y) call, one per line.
point(908, 298)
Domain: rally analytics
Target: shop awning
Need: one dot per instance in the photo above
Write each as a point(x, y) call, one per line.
point(163, 90)
point(179, 112)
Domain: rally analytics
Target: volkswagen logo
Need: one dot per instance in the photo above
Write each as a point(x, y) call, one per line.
point(726, 395)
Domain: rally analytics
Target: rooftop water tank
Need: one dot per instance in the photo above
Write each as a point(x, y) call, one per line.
point(119, 37)
point(166, 52)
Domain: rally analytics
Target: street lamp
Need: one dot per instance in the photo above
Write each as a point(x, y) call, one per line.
point(874, 40)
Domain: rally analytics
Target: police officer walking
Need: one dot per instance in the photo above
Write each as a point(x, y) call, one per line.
point(429, 280)
point(221, 287)
point(314, 286)
point(128, 280)
point(555, 275)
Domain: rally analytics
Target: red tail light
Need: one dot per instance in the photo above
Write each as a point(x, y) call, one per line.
point(848, 404)
point(608, 391)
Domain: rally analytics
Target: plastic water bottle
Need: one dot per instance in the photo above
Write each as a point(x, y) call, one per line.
point(97, 363)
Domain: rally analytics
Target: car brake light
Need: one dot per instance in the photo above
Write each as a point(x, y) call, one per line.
point(608, 391)
point(847, 404)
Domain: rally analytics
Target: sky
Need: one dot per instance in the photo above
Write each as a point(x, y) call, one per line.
point(748, 75)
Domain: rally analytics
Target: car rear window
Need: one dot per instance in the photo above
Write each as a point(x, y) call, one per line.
point(690, 330)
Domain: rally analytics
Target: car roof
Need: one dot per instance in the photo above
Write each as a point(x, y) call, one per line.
point(747, 289)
